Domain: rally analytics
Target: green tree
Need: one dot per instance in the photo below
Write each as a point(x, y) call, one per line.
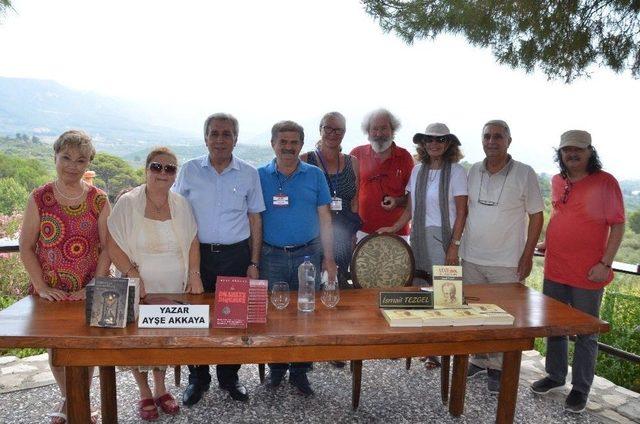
point(634, 221)
point(13, 196)
point(562, 38)
point(29, 173)
point(4, 6)
point(113, 174)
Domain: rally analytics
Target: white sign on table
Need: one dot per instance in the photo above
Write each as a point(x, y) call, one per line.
point(173, 316)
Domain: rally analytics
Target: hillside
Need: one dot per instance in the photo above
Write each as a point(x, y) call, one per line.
point(255, 155)
point(47, 108)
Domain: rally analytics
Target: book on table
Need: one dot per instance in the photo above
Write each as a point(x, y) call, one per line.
point(107, 301)
point(478, 314)
point(258, 301)
point(133, 296)
point(230, 307)
point(492, 314)
point(447, 287)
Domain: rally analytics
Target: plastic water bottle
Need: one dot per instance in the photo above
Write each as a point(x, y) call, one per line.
point(306, 286)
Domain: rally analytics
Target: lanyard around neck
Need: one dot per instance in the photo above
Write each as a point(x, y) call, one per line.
point(286, 178)
point(326, 171)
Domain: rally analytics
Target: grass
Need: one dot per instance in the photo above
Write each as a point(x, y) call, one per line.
point(621, 308)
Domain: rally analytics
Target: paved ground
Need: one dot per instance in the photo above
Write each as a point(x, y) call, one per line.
point(390, 394)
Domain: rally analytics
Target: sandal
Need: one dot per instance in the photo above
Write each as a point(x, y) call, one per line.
point(432, 362)
point(94, 416)
point(168, 404)
point(59, 417)
point(145, 412)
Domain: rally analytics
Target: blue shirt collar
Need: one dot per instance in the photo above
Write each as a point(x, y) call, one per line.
point(302, 167)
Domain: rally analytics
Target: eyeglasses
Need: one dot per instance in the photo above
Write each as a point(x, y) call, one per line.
point(491, 202)
point(567, 189)
point(440, 139)
point(331, 130)
point(157, 167)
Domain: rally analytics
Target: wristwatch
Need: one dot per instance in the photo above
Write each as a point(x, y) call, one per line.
point(456, 242)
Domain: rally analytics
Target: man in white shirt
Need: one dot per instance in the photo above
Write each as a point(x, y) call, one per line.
point(498, 242)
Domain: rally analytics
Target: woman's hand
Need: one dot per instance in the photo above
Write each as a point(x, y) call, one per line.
point(194, 285)
point(51, 294)
point(386, 230)
point(77, 295)
point(143, 292)
point(452, 257)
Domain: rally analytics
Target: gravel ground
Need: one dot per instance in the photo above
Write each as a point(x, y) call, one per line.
point(390, 394)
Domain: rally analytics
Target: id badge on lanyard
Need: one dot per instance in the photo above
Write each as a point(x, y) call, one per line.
point(281, 200)
point(336, 203)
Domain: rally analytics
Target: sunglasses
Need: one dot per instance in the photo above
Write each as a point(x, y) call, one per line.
point(441, 139)
point(157, 167)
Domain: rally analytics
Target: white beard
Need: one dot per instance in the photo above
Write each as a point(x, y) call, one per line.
point(381, 147)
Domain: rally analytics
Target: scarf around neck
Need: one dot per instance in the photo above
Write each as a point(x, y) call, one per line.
point(418, 236)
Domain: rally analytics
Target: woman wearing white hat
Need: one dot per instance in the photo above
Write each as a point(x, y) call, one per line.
point(438, 201)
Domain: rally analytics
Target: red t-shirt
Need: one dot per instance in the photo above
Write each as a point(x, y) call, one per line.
point(378, 179)
point(578, 230)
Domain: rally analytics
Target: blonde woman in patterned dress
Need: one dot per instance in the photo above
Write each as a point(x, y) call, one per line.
point(63, 237)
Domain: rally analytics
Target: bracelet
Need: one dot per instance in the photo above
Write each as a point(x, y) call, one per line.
point(194, 272)
point(255, 264)
point(602, 262)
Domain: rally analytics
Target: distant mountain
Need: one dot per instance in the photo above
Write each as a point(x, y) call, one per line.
point(255, 155)
point(47, 108)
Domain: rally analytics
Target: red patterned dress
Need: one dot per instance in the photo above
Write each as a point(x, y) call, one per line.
point(69, 243)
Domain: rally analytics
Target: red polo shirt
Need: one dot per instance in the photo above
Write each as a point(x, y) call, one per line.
point(578, 229)
point(378, 179)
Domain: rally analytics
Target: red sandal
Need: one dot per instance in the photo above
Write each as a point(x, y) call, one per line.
point(144, 411)
point(168, 404)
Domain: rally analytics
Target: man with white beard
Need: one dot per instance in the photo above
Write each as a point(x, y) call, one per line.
point(384, 170)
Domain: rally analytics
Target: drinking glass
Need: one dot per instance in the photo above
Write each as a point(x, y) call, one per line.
point(280, 294)
point(330, 293)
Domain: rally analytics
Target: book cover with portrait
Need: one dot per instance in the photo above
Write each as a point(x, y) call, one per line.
point(447, 287)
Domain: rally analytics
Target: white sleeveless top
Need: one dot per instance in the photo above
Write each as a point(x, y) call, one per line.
point(160, 265)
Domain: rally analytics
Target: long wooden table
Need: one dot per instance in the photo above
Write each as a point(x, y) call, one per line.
point(355, 330)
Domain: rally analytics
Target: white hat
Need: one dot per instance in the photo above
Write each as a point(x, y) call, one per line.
point(436, 129)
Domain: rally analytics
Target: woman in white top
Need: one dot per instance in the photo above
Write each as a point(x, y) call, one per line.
point(438, 201)
point(153, 236)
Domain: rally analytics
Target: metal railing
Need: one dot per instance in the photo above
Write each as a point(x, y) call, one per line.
point(8, 246)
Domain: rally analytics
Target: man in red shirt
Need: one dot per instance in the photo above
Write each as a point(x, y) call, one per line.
point(384, 171)
point(583, 236)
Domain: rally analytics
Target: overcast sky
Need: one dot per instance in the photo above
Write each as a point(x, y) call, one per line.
point(266, 61)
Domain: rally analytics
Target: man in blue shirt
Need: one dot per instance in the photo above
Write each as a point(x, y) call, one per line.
point(297, 223)
point(225, 194)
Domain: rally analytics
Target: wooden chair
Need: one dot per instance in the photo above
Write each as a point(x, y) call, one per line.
point(385, 260)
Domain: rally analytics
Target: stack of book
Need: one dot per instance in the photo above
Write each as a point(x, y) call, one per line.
point(258, 302)
point(474, 314)
point(240, 301)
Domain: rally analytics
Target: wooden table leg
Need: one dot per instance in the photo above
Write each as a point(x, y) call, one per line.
point(108, 402)
point(77, 383)
point(356, 380)
point(458, 384)
point(444, 378)
point(508, 387)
